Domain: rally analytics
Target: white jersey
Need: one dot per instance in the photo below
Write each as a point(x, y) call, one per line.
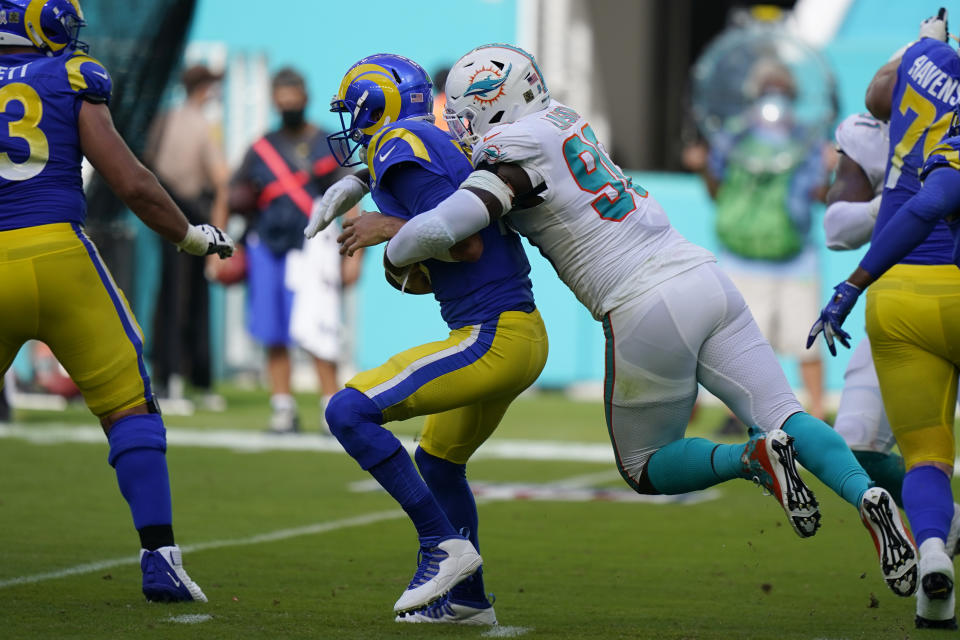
point(607, 238)
point(866, 141)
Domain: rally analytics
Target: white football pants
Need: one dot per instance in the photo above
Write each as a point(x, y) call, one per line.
point(861, 419)
point(694, 327)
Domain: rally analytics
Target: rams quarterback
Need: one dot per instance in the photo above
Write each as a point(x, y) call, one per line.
point(671, 317)
point(496, 348)
point(56, 288)
point(914, 308)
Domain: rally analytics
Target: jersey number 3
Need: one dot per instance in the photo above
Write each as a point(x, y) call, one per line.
point(26, 128)
point(595, 172)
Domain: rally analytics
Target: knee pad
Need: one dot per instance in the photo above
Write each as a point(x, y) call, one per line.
point(437, 470)
point(142, 431)
point(348, 408)
point(356, 422)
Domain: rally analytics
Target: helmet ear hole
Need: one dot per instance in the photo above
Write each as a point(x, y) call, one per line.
point(375, 115)
point(497, 117)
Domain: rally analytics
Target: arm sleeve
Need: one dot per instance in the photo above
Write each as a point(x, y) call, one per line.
point(912, 223)
point(432, 233)
point(849, 225)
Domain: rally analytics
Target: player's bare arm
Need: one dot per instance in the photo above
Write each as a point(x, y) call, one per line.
point(851, 183)
point(138, 187)
point(879, 96)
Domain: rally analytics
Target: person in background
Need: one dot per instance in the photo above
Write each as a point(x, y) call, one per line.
point(765, 174)
point(186, 155)
point(293, 296)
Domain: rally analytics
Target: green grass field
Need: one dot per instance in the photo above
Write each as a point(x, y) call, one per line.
point(285, 546)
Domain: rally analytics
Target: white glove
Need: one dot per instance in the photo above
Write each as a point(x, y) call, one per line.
point(205, 239)
point(935, 27)
point(342, 196)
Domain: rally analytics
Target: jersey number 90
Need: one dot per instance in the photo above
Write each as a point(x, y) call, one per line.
point(595, 172)
point(26, 128)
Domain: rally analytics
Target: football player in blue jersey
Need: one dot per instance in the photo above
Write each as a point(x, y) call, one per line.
point(914, 308)
point(53, 111)
point(463, 384)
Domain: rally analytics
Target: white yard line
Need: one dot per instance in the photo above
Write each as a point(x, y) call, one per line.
point(253, 441)
point(51, 435)
point(272, 536)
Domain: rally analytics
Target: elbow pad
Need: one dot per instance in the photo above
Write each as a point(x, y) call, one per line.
point(491, 183)
point(849, 225)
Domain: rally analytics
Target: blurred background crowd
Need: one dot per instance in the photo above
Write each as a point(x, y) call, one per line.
point(724, 111)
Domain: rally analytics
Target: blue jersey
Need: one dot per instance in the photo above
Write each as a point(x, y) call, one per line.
point(924, 97)
point(947, 155)
point(40, 156)
point(414, 165)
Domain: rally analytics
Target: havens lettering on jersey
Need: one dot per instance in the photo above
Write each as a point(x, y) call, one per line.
point(924, 96)
point(40, 154)
point(937, 83)
point(468, 292)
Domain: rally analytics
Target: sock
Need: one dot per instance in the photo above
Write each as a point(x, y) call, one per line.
point(825, 454)
point(141, 467)
point(448, 483)
point(356, 422)
point(154, 536)
point(928, 501)
point(885, 469)
point(398, 476)
point(692, 464)
point(282, 402)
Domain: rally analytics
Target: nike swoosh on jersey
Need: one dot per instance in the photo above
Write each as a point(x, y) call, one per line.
point(492, 136)
point(383, 156)
point(102, 75)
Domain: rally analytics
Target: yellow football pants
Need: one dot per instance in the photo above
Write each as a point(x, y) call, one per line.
point(913, 320)
point(54, 287)
point(464, 384)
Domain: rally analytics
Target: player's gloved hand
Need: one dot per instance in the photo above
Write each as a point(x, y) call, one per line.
point(342, 196)
point(832, 316)
point(205, 240)
point(935, 26)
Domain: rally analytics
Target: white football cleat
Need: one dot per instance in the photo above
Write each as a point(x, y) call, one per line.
point(895, 546)
point(446, 611)
point(935, 597)
point(164, 578)
point(441, 568)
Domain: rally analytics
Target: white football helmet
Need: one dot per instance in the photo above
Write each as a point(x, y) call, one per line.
point(493, 84)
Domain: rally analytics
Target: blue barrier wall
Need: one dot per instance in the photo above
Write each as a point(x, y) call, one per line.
point(323, 39)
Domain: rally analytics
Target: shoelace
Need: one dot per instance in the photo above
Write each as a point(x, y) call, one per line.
point(428, 565)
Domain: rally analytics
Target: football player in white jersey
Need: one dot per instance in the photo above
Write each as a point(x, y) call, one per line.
point(671, 318)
